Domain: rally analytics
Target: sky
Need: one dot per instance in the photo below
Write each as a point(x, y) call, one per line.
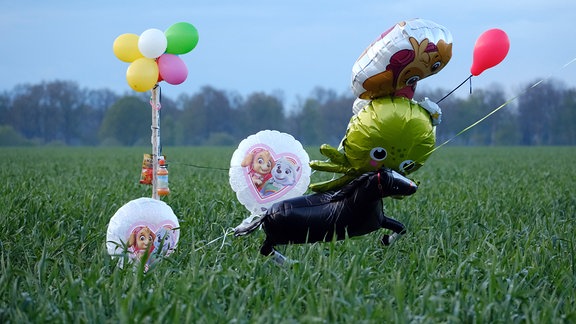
point(283, 48)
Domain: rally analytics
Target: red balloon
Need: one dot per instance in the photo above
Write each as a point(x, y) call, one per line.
point(490, 49)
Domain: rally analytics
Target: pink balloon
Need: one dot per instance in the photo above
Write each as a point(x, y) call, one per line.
point(490, 49)
point(172, 69)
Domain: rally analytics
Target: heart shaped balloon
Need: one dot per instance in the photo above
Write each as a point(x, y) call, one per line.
point(268, 167)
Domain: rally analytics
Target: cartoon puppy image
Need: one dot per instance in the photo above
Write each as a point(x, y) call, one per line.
point(165, 241)
point(140, 239)
point(407, 67)
point(284, 174)
point(259, 163)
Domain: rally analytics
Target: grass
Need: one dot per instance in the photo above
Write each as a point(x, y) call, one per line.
point(491, 239)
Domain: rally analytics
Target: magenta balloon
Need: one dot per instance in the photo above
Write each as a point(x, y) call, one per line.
point(490, 49)
point(172, 69)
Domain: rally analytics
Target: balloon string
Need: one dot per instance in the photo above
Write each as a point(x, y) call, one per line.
point(228, 232)
point(461, 84)
point(497, 108)
point(202, 166)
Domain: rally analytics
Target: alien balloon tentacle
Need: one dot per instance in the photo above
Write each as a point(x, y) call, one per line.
point(354, 210)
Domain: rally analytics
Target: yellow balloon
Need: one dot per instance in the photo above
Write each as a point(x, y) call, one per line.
point(126, 48)
point(142, 74)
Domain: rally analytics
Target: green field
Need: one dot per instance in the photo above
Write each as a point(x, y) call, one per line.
point(491, 240)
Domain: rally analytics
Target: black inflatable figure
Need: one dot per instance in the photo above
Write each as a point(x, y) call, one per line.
point(355, 209)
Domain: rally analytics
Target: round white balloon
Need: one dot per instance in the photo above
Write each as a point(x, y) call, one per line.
point(267, 167)
point(152, 43)
point(143, 226)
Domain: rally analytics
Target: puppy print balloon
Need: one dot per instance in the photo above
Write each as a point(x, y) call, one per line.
point(406, 53)
point(142, 228)
point(267, 167)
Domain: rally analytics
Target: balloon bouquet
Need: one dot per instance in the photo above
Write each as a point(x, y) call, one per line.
point(146, 229)
point(389, 136)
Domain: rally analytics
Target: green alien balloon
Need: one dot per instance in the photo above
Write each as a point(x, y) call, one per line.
point(392, 132)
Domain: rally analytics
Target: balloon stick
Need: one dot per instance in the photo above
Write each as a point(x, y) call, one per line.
point(461, 84)
point(155, 103)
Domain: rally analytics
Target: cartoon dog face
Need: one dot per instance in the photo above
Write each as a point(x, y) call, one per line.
point(165, 239)
point(259, 160)
point(285, 172)
point(407, 67)
point(141, 238)
point(260, 164)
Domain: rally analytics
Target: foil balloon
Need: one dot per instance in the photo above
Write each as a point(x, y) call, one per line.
point(392, 132)
point(489, 50)
point(354, 210)
point(403, 55)
point(142, 231)
point(267, 167)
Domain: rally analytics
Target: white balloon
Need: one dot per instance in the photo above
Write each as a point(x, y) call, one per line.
point(141, 224)
point(152, 43)
point(268, 167)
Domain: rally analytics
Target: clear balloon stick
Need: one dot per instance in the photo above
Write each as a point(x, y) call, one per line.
point(155, 103)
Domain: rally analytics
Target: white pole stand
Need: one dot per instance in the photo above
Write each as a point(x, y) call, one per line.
point(155, 103)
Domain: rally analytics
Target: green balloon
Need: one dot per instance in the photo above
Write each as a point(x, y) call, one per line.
point(182, 37)
point(392, 132)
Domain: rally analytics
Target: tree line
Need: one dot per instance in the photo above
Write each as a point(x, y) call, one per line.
point(61, 113)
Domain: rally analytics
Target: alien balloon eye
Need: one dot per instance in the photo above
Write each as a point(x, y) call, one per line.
point(407, 165)
point(435, 66)
point(378, 154)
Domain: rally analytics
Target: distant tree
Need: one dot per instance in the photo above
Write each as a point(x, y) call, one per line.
point(91, 114)
point(49, 111)
point(127, 122)
point(261, 111)
point(26, 114)
point(10, 137)
point(536, 110)
point(563, 122)
point(59, 112)
point(100, 99)
point(335, 114)
point(322, 117)
point(459, 114)
point(208, 111)
point(484, 132)
point(5, 108)
point(310, 123)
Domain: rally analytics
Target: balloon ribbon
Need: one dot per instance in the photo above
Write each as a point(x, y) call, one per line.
point(449, 93)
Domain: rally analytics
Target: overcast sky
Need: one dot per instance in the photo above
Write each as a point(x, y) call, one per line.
point(289, 46)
